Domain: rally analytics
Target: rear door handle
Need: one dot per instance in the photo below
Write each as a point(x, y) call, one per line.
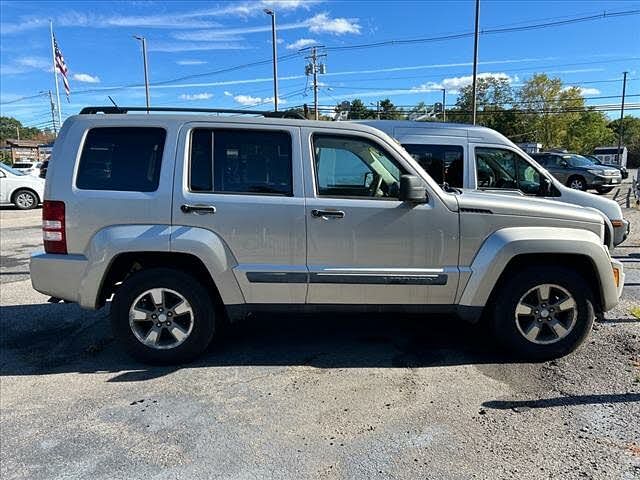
point(327, 213)
point(210, 209)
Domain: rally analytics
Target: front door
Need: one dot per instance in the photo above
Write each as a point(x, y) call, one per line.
point(244, 184)
point(364, 246)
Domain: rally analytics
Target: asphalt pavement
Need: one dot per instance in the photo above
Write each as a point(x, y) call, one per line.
point(290, 396)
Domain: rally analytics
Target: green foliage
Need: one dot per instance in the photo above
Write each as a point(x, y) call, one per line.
point(388, 111)
point(630, 137)
point(8, 127)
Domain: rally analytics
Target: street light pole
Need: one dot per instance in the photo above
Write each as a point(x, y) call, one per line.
point(475, 62)
point(272, 14)
point(444, 107)
point(146, 71)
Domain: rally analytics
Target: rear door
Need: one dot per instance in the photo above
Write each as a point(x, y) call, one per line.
point(244, 183)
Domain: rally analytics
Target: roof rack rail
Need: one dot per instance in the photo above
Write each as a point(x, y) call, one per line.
point(120, 110)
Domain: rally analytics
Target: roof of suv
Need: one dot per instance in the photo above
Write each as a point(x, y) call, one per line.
point(435, 128)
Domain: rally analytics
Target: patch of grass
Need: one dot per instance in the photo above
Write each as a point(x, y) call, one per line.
point(635, 311)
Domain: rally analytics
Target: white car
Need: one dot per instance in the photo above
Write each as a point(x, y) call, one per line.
point(20, 189)
point(28, 168)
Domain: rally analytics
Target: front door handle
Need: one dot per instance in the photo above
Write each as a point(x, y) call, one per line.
point(210, 209)
point(327, 213)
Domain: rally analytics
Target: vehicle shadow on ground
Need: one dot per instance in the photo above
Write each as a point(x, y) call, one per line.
point(56, 338)
point(567, 401)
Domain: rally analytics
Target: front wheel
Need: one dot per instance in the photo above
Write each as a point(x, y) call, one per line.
point(577, 183)
point(163, 316)
point(603, 190)
point(543, 312)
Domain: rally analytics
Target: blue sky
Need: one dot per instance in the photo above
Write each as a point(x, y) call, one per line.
point(195, 39)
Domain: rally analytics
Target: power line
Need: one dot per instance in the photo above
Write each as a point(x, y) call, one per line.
point(456, 36)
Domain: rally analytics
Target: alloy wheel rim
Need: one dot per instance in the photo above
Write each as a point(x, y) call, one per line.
point(25, 200)
point(546, 314)
point(576, 184)
point(161, 318)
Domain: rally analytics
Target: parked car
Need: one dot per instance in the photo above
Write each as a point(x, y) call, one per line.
point(479, 158)
point(17, 188)
point(624, 173)
point(187, 220)
point(28, 168)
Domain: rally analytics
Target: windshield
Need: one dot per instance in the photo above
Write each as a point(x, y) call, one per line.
point(7, 168)
point(578, 161)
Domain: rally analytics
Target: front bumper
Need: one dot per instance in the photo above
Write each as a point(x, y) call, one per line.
point(601, 181)
point(617, 265)
point(620, 233)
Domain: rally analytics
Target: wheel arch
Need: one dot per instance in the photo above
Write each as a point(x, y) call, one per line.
point(514, 248)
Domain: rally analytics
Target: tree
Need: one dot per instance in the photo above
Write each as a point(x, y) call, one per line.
point(630, 137)
point(388, 111)
point(587, 132)
point(357, 110)
point(10, 126)
point(550, 109)
point(494, 103)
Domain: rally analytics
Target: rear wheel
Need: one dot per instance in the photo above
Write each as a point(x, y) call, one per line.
point(25, 199)
point(543, 312)
point(163, 316)
point(577, 183)
point(603, 190)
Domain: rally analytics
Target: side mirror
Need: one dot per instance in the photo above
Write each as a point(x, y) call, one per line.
point(412, 189)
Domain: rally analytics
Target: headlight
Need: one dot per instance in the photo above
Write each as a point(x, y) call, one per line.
point(595, 172)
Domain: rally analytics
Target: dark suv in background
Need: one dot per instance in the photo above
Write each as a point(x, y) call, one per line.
point(623, 170)
point(578, 172)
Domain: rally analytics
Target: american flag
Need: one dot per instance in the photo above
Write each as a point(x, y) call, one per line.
point(61, 67)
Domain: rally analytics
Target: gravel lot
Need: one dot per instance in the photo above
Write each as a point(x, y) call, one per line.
point(292, 397)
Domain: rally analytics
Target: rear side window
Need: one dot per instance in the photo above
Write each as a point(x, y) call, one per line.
point(444, 163)
point(121, 158)
point(240, 161)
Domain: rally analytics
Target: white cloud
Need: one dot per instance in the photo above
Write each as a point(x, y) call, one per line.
point(249, 100)
point(191, 62)
point(585, 90)
point(301, 43)
point(453, 84)
point(27, 64)
point(196, 96)
point(322, 23)
point(228, 94)
point(86, 78)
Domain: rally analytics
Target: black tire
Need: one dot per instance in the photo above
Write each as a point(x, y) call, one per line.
point(25, 199)
point(204, 317)
point(503, 316)
point(577, 183)
point(603, 190)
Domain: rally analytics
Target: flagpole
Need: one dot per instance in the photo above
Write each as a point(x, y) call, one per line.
point(55, 74)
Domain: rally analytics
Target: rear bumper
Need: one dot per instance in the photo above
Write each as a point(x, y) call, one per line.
point(58, 275)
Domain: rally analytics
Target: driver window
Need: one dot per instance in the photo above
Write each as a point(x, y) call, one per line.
point(350, 167)
point(504, 169)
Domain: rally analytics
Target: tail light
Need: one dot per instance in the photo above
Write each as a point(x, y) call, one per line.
point(53, 227)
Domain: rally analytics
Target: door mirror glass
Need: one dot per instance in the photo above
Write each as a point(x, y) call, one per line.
point(412, 189)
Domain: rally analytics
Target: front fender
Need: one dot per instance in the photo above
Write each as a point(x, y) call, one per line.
point(505, 244)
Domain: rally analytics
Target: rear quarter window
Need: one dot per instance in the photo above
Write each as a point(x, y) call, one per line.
point(121, 158)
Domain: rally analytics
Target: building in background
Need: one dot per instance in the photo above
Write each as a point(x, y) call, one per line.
point(530, 147)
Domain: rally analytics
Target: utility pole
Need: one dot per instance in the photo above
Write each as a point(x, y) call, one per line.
point(146, 72)
point(378, 109)
point(18, 132)
point(272, 14)
point(53, 114)
point(620, 129)
point(475, 62)
point(314, 68)
point(444, 106)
